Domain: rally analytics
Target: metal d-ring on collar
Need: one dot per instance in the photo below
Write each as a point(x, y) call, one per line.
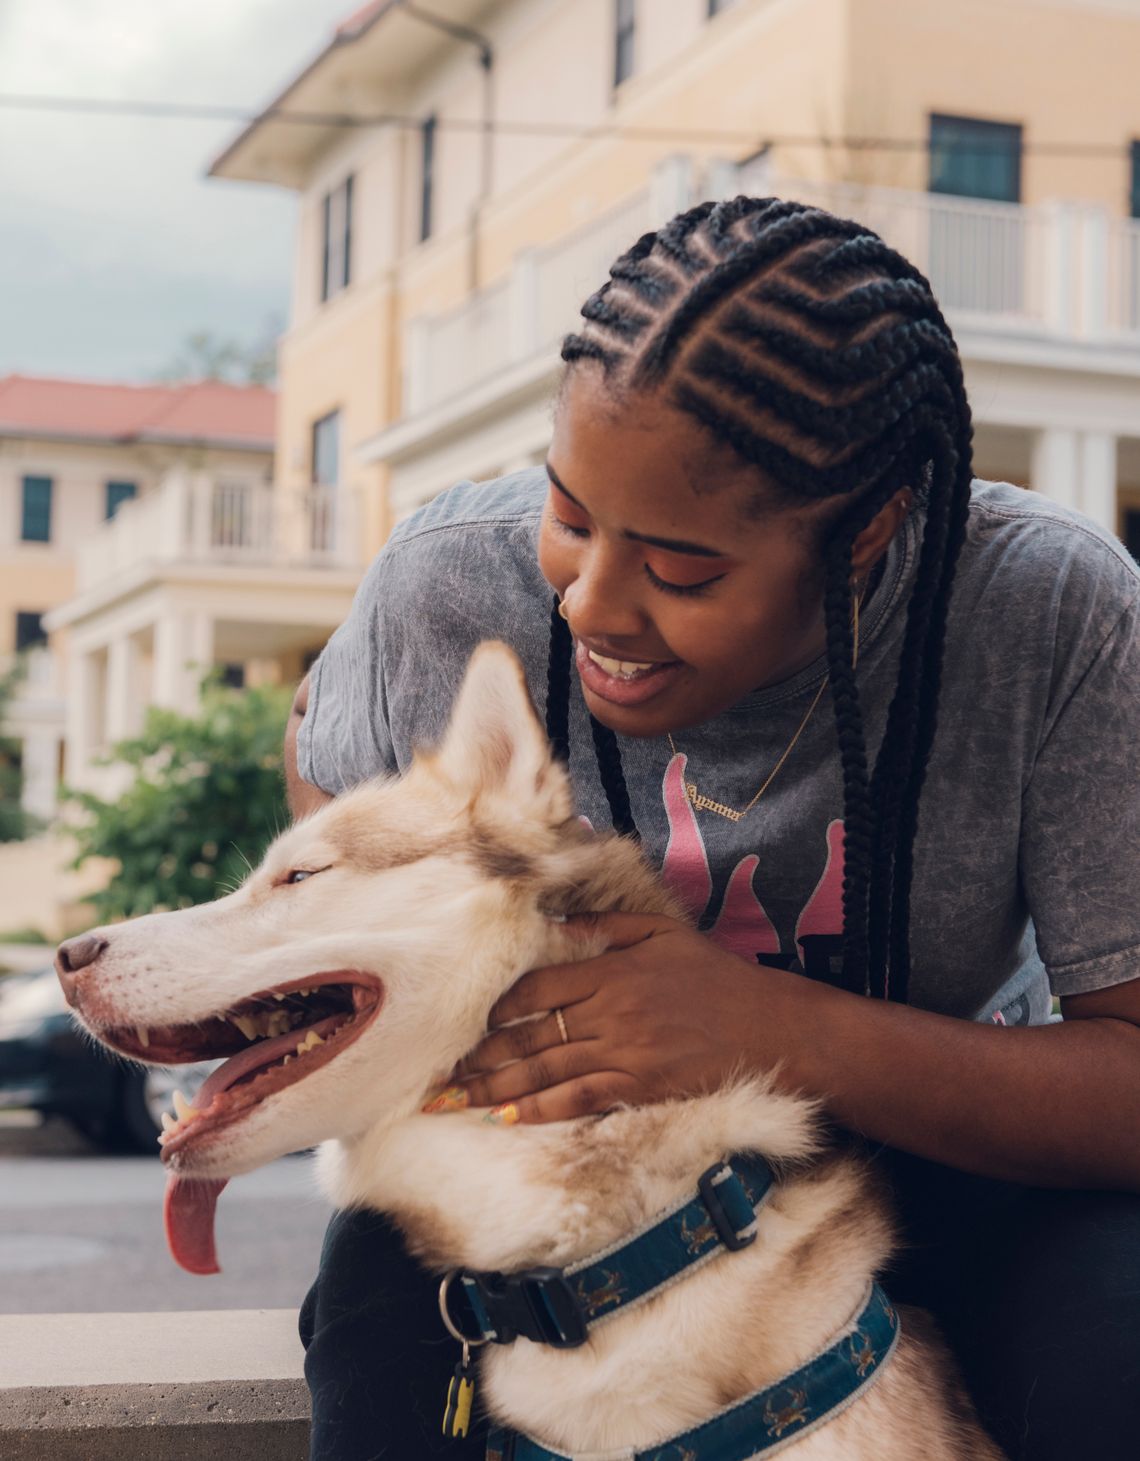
point(448, 1323)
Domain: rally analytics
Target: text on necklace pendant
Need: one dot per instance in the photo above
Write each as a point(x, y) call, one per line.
point(706, 804)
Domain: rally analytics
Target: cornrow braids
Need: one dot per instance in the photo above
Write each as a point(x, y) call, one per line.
point(819, 355)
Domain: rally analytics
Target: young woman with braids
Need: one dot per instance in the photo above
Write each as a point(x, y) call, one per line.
point(877, 725)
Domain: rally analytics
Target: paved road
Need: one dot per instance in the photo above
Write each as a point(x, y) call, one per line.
point(82, 1232)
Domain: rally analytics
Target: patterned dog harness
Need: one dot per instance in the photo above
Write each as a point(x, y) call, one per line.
point(560, 1306)
point(768, 1419)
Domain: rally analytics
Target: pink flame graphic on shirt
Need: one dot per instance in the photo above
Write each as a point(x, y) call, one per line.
point(823, 911)
point(742, 926)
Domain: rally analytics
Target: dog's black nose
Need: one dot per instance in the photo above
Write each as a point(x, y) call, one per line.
point(75, 954)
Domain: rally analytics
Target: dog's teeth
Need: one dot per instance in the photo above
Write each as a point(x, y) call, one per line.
point(182, 1107)
point(142, 1035)
point(311, 1040)
point(279, 996)
point(287, 1059)
point(246, 1024)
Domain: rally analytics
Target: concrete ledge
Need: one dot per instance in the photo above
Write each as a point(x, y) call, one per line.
point(220, 1386)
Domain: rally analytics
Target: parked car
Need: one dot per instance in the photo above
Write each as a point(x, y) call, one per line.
point(49, 1064)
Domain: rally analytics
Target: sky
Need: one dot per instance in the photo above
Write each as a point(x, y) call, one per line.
point(114, 246)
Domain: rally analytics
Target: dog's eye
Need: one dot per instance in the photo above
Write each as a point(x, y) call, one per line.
point(299, 874)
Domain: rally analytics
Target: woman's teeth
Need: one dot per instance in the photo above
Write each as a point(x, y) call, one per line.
point(623, 668)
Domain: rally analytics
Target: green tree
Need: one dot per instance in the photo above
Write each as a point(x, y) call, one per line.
point(205, 355)
point(206, 798)
point(14, 822)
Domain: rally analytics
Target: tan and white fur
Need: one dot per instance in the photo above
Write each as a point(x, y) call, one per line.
point(448, 885)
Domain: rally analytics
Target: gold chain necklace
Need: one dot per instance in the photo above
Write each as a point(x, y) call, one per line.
point(706, 804)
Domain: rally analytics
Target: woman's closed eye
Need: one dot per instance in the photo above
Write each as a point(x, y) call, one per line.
point(668, 587)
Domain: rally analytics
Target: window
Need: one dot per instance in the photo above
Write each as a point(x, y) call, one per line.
point(1135, 208)
point(326, 450)
point(623, 40)
point(973, 159)
point(117, 494)
point(29, 630)
point(336, 252)
point(427, 176)
point(35, 526)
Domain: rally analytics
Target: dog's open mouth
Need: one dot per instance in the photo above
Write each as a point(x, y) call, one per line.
point(273, 1039)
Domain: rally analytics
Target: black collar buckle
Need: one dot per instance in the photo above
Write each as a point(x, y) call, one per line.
point(537, 1304)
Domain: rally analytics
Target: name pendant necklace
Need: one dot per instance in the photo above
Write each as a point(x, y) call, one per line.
point(707, 804)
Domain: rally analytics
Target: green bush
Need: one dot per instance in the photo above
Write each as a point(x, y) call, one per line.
point(206, 798)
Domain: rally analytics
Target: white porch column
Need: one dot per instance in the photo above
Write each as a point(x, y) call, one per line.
point(41, 772)
point(123, 712)
point(84, 716)
point(183, 653)
point(1098, 478)
point(1055, 467)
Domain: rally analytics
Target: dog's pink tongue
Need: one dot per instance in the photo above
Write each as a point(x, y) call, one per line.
point(188, 1213)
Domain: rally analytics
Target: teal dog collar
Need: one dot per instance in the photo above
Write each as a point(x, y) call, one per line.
point(559, 1306)
point(768, 1419)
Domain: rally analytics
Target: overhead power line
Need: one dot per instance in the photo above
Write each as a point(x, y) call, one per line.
point(211, 112)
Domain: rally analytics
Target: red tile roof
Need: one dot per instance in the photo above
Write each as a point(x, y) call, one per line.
point(363, 17)
point(204, 412)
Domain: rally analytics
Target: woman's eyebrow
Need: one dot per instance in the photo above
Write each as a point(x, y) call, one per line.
point(672, 545)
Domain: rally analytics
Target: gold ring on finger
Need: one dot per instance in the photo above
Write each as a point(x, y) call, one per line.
point(560, 1019)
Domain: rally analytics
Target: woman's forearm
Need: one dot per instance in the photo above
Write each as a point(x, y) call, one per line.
point(1055, 1105)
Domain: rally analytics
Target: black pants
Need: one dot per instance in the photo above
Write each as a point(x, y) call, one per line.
point(1038, 1292)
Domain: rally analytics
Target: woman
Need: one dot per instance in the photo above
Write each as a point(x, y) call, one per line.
point(759, 498)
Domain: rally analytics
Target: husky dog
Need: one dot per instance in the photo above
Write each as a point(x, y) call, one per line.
point(347, 978)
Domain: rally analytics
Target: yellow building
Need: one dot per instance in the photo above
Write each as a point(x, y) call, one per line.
point(81, 464)
point(503, 154)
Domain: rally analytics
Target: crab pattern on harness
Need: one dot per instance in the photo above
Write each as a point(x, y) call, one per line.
point(593, 1301)
point(675, 1452)
point(794, 1413)
point(864, 1356)
point(698, 1238)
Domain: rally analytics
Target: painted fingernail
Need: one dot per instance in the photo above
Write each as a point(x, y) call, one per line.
point(505, 1115)
point(451, 1098)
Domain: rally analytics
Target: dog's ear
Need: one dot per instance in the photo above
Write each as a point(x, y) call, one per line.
point(494, 744)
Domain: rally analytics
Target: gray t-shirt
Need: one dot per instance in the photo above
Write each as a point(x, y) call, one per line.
point(1028, 846)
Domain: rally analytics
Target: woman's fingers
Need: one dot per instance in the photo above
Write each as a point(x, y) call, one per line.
point(589, 1095)
point(517, 1042)
point(549, 1067)
point(557, 986)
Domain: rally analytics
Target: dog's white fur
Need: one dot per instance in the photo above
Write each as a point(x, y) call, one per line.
point(448, 885)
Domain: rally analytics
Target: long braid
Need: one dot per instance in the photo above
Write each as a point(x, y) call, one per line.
point(558, 685)
point(820, 356)
point(613, 779)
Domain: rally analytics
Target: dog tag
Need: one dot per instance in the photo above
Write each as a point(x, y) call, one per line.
point(460, 1395)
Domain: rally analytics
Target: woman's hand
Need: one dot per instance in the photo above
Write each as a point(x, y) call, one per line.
point(662, 1013)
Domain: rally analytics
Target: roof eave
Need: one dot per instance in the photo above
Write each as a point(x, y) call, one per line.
point(235, 164)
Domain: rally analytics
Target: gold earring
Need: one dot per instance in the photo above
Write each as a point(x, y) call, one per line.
point(562, 614)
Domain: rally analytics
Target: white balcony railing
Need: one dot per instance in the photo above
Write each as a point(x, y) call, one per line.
point(522, 316)
point(982, 259)
point(200, 519)
point(1123, 303)
point(1060, 269)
